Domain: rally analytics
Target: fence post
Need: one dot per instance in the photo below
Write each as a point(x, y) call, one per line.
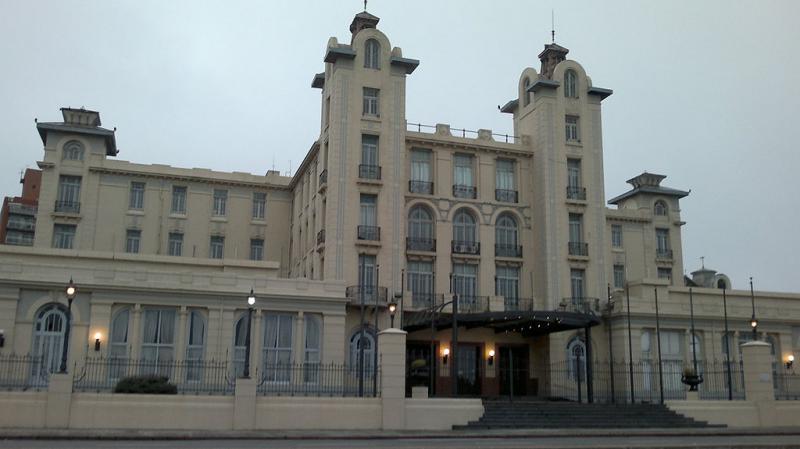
point(757, 361)
point(392, 350)
point(244, 404)
point(59, 401)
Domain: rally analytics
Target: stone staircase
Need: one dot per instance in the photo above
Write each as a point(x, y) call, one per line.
point(530, 414)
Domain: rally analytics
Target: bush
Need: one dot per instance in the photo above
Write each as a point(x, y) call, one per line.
point(145, 385)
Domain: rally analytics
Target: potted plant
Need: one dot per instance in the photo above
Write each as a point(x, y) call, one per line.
point(691, 378)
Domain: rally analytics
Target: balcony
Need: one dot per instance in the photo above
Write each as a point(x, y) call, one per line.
point(420, 244)
point(366, 294)
point(578, 249)
point(472, 304)
point(423, 187)
point(576, 193)
point(68, 207)
point(19, 238)
point(21, 209)
point(369, 171)
point(321, 237)
point(663, 253)
point(580, 305)
point(462, 191)
point(506, 196)
point(323, 180)
point(465, 247)
point(21, 225)
point(504, 250)
point(369, 232)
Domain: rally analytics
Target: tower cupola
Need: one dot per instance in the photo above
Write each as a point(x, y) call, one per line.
point(363, 20)
point(550, 57)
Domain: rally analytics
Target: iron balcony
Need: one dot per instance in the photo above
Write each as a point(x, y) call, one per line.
point(420, 244)
point(465, 247)
point(369, 232)
point(369, 171)
point(578, 249)
point(462, 191)
point(423, 187)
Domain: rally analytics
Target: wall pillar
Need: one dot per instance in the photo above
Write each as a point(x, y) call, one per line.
point(244, 404)
point(59, 401)
point(757, 360)
point(392, 351)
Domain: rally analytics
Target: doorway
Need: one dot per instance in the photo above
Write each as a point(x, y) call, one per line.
point(468, 369)
point(419, 371)
point(513, 370)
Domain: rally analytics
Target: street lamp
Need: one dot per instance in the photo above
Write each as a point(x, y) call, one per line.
point(753, 320)
point(70, 291)
point(393, 307)
point(251, 300)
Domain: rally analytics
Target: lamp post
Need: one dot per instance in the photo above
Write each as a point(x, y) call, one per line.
point(609, 311)
point(630, 341)
point(660, 361)
point(694, 380)
point(70, 291)
point(753, 320)
point(251, 300)
point(393, 307)
point(727, 346)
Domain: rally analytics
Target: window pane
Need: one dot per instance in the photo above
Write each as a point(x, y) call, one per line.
point(178, 200)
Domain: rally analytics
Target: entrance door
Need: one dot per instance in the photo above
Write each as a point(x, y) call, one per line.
point(514, 370)
point(468, 368)
point(418, 367)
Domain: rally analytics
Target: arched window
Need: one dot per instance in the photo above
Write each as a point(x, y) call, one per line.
point(118, 343)
point(420, 229)
point(721, 284)
point(526, 96)
point(464, 227)
point(369, 352)
point(73, 151)
point(48, 340)
point(576, 355)
point(239, 345)
point(660, 208)
point(195, 343)
point(506, 236)
point(570, 84)
point(372, 54)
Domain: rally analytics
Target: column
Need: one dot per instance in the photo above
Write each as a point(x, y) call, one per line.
point(757, 360)
point(182, 333)
point(135, 332)
point(392, 350)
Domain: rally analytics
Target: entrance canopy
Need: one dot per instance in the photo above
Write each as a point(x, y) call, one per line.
point(527, 323)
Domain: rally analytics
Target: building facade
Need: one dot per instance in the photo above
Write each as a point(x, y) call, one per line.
point(514, 229)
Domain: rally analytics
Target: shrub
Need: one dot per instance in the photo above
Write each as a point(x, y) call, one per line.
point(145, 385)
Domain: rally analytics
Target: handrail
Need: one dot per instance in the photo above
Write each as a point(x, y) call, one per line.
point(509, 138)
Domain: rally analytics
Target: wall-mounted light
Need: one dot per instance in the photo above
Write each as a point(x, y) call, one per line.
point(97, 337)
point(445, 355)
point(789, 361)
point(2, 338)
point(491, 357)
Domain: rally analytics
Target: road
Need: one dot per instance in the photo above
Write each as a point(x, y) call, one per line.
point(693, 441)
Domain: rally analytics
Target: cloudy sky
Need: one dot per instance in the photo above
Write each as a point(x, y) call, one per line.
point(704, 92)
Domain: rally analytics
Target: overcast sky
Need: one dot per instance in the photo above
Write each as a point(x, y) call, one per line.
point(705, 92)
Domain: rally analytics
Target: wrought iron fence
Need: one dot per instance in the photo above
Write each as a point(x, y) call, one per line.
point(23, 372)
point(190, 376)
point(318, 379)
point(787, 386)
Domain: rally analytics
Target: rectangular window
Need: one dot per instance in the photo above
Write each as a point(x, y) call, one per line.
point(136, 197)
point(463, 174)
point(369, 150)
point(420, 283)
point(63, 236)
point(371, 101)
point(576, 228)
point(616, 236)
point(175, 244)
point(368, 216)
point(220, 202)
point(178, 200)
point(619, 276)
point(662, 241)
point(465, 284)
point(504, 176)
point(158, 339)
point(665, 273)
point(572, 128)
point(277, 356)
point(366, 279)
point(574, 172)
point(259, 205)
point(421, 165)
point(256, 249)
point(217, 247)
point(507, 286)
point(69, 194)
point(194, 346)
point(132, 239)
point(313, 347)
point(577, 283)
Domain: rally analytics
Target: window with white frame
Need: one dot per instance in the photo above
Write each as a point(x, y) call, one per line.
point(372, 53)
point(465, 284)
point(572, 131)
point(63, 236)
point(48, 340)
point(367, 278)
point(420, 282)
point(118, 344)
point(575, 228)
point(178, 200)
point(259, 205)
point(504, 175)
point(175, 244)
point(574, 173)
point(506, 235)
point(313, 347)
point(464, 227)
point(662, 241)
point(368, 210)
point(136, 196)
point(420, 228)
point(577, 281)
point(368, 343)
point(277, 347)
point(369, 151)
point(220, 202)
point(507, 285)
point(195, 345)
point(619, 276)
point(73, 151)
point(576, 355)
point(421, 165)
point(69, 194)
point(158, 345)
point(217, 247)
point(616, 236)
point(371, 105)
point(256, 249)
point(133, 238)
point(570, 84)
point(463, 173)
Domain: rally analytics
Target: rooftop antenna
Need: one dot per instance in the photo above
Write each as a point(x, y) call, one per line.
point(273, 162)
point(703, 262)
point(552, 24)
point(365, 5)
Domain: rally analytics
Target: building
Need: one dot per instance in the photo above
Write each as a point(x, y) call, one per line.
point(516, 227)
point(18, 215)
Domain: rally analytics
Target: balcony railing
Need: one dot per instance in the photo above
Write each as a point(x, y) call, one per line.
point(473, 304)
point(366, 294)
point(21, 225)
point(576, 193)
point(420, 244)
point(506, 196)
point(512, 304)
point(662, 253)
point(465, 247)
point(423, 187)
point(580, 305)
point(369, 171)
point(505, 250)
point(578, 249)
point(70, 207)
point(21, 209)
point(321, 237)
point(323, 179)
point(462, 191)
point(19, 238)
point(369, 232)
